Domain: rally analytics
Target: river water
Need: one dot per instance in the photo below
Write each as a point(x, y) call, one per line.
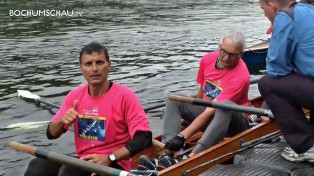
point(155, 47)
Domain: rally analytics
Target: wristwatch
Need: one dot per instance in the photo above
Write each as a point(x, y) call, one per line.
point(112, 157)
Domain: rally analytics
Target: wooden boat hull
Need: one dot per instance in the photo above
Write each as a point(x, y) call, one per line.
point(227, 146)
point(220, 149)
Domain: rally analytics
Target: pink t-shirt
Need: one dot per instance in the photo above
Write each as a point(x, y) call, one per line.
point(223, 85)
point(105, 123)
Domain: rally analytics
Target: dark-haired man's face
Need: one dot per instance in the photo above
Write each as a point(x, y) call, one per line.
point(95, 68)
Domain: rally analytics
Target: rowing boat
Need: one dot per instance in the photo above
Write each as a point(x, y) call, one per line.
point(255, 56)
point(229, 145)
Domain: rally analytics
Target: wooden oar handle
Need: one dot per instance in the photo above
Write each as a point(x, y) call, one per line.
point(159, 144)
point(180, 98)
point(23, 148)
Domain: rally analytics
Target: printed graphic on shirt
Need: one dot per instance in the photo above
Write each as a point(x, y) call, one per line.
point(92, 127)
point(212, 90)
point(93, 112)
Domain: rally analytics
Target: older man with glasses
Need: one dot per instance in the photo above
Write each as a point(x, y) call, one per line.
point(223, 77)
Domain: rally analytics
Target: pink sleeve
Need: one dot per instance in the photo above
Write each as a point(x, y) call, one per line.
point(200, 74)
point(235, 90)
point(135, 116)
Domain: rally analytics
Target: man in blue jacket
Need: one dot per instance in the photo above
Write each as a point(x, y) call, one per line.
point(289, 85)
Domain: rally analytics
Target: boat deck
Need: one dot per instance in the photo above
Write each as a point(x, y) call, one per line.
point(263, 159)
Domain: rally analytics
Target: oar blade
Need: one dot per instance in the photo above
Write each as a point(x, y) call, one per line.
point(27, 94)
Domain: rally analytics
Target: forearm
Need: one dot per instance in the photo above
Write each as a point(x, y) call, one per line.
point(122, 154)
point(55, 129)
point(202, 120)
point(200, 93)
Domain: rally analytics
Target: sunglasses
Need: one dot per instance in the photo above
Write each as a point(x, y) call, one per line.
point(224, 53)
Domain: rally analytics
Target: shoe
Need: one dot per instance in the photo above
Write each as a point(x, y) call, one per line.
point(160, 163)
point(146, 163)
point(166, 161)
point(252, 118)
point(290, 155)
point(180, 158)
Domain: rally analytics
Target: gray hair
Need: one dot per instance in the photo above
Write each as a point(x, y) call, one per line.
point(237, 38)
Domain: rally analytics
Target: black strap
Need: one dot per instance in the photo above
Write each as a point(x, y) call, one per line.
point(311, 2)
point(290, 10)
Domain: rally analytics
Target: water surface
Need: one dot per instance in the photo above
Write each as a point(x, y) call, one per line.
point(155, 48)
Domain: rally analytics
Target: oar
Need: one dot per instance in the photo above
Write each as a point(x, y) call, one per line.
point(146, 109)
point(214, 104)
point(27, 94)
point(25, 125)
point(67, 160)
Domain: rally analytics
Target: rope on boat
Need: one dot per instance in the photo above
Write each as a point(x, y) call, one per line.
point(243, 146)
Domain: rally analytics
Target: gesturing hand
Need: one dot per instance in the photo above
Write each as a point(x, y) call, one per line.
point(98, 159)
point(70, 115)
point(175, 143)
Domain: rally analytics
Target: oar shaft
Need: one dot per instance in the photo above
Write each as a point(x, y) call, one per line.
point(237, 108)
point(261, 139)
point(47, 103)
point(154, 107)
point(145, 109)
point(64, 159)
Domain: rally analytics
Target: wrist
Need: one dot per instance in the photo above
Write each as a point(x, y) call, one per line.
point(181, 136)
point(112, 158)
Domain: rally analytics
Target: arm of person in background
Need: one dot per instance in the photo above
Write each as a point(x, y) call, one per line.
point(199, 123)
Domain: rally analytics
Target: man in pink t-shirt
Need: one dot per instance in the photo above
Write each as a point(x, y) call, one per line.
point(223, 77)
point(109, 122)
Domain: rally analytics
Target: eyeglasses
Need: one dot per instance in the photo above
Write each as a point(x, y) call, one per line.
point(224, 53)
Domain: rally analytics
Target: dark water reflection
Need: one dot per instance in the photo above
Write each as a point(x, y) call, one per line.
point(155, 47)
